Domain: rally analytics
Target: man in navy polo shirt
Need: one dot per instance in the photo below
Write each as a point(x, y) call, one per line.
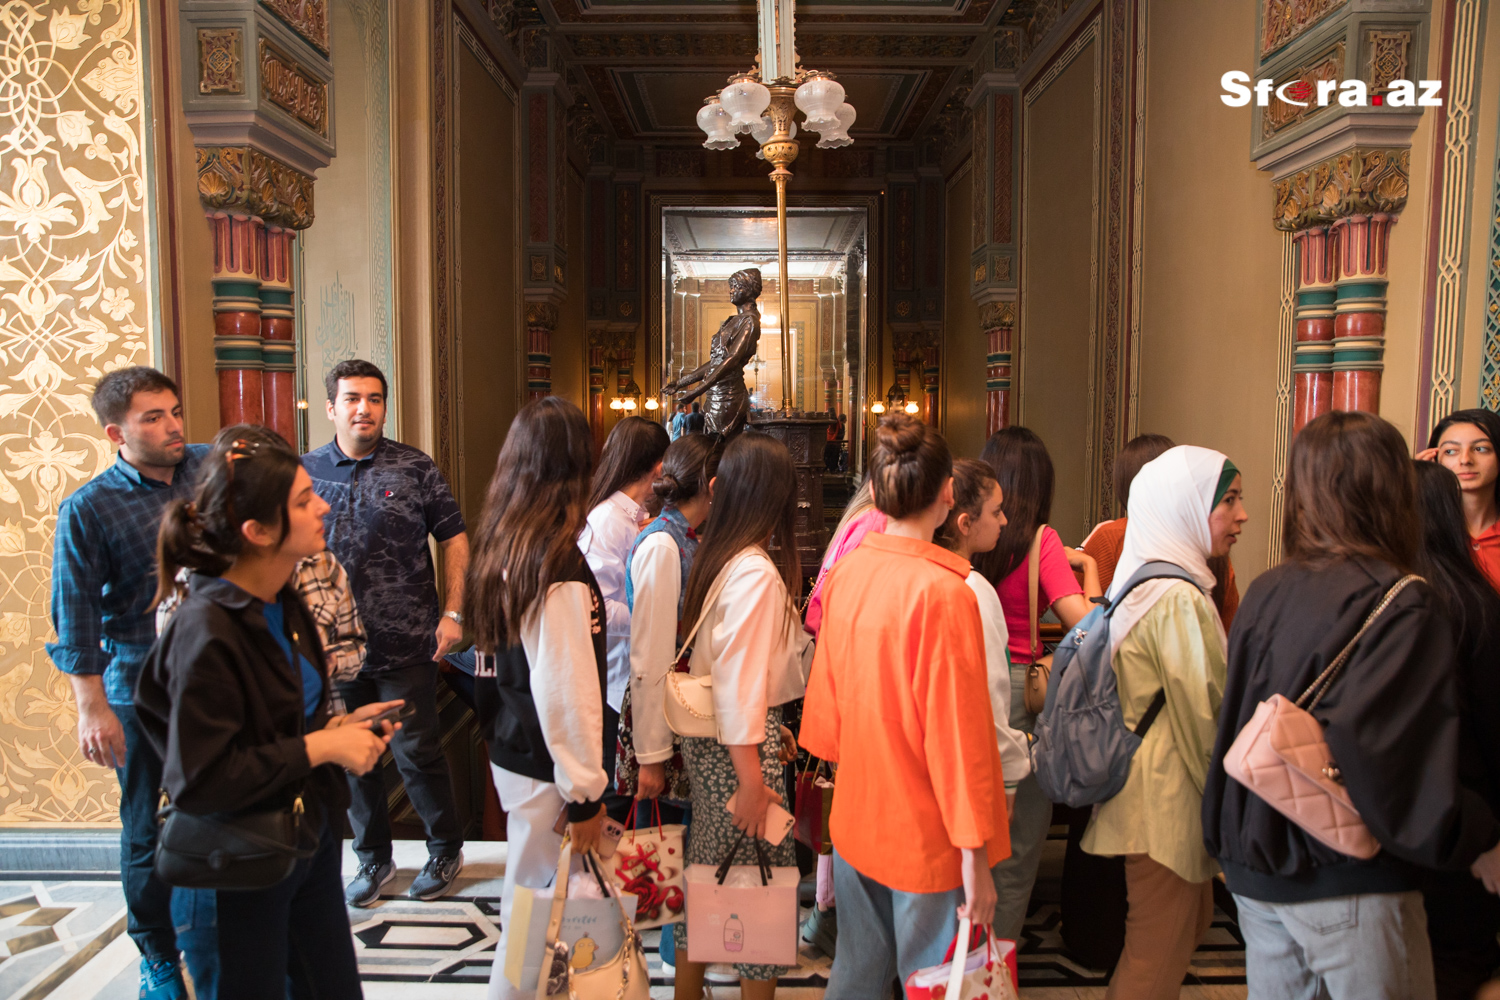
point(386, 498)
point(103, 580)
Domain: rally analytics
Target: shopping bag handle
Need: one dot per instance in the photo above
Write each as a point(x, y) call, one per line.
point(656, 812)
point(762, 862)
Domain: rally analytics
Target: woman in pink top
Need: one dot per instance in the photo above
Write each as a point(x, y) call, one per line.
point(1024, 471)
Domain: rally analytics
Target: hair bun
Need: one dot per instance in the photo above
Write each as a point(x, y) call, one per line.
point(900, 434)
point(667, 487)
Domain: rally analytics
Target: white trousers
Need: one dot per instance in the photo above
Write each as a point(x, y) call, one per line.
point(531, 811)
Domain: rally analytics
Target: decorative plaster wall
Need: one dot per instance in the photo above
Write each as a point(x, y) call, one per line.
point(964, 343)
point(1211, 321)
point(346, 306)
point(76, 301)
point(1060, 184)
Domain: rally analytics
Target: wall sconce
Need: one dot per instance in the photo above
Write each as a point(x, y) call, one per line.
point(912, 407)
point(877, 407)
point(652, 404)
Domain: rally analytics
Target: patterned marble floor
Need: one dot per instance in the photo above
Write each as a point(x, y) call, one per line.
point(426, 951)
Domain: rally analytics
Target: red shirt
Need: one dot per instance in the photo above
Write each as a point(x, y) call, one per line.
point(899, 699)
point(1485, 547)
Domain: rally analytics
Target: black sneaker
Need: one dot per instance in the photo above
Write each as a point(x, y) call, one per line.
point(436, 877)
point(364, 888)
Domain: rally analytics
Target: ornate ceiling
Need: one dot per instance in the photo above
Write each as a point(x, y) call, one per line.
point(716, 242)
point(646, 66)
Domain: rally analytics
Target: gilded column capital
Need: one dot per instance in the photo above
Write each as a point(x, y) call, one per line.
point(1358, 181)
point(242, 179)
point(997, 314)
point(541, 314)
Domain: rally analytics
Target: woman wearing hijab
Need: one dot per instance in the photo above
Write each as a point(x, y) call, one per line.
point(1166, 637)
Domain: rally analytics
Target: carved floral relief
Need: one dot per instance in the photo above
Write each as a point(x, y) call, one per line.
point(1356, 182)
point(74, 304)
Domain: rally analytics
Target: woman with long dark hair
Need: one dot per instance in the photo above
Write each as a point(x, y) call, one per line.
point(233, 697)
point(899, 699)
point(1464, 442)
point(617, 509)
point(1462, 918)
point(661, 560)
point(538, 621)
point(1313, 918)
point(742, 584)
point(1024, 471)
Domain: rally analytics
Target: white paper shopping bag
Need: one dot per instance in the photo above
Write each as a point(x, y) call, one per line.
point(591, 927)
point(742, 920)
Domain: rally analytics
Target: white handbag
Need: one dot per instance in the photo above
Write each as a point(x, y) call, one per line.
point(623, 977)
point(689, 704)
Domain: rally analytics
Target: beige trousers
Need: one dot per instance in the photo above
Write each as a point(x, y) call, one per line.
point(1168, 917)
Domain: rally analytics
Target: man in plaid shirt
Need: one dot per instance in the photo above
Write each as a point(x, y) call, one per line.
point(103, 579)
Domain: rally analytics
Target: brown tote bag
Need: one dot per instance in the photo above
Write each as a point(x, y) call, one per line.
point(1039, 671)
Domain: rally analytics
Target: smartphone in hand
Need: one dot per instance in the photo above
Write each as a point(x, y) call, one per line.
point(779, 822)
point(400, 713)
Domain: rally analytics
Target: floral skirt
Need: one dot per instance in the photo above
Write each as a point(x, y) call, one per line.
point(712, 832)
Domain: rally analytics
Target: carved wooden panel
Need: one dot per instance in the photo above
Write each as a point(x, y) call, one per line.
point(293, 89)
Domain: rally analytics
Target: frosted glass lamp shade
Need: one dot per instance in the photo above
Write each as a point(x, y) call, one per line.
point(819, 98)
point(746, 101)
point(762, 130)
point(835, 137)
point(712, 118)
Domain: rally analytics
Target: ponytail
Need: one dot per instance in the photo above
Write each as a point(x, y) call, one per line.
point(247, 476)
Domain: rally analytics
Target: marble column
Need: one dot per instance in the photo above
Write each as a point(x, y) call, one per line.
point(541, 320)
point(238, 357)
point(596, 390)
point(998, 321)
point(1359, 310)
point(278, 333)
point(1312, 353)
point(931, 381)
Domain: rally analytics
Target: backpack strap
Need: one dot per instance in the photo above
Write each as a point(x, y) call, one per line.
point(1151, 571)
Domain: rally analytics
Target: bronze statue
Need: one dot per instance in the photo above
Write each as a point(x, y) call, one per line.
point(723, 377)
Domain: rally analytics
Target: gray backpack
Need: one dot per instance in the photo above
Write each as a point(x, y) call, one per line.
point(1081, 750)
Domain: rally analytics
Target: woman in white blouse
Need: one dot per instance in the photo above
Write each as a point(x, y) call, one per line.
point(749, 642)
point(973, 527)
point(655, 588)
point(538, 622)
point(617, 502)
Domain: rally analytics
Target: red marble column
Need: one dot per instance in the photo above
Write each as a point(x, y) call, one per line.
point(596, 392)
point(1359, 311)
point(1312, 357)
point(278, 332)
point(998, 322)
point(541, 320)
point(931, 383)
point(237, 316)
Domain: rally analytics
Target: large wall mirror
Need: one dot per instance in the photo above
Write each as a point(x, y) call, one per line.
point(828, 264)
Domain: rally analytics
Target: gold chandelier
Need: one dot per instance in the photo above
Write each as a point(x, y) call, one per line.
point(764, 102)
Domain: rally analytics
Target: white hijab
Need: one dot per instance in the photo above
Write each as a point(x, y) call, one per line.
point(1170, 500)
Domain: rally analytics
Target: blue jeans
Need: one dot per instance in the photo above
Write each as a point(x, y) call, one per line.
point(1367, 947)
point(148, 900)
point(885, 935)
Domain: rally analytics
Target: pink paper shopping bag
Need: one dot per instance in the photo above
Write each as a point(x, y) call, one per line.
point(742, 914)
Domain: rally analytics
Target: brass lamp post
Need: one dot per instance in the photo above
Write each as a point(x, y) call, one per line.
point(764, 102)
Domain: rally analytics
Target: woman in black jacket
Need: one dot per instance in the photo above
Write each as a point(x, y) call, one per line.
point(1462, 918)
point(232, 697)
point(1314, 919)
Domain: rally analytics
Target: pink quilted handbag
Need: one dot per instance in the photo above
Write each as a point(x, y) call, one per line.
point(1282, 757)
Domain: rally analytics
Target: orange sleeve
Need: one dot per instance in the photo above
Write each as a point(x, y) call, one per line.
point(950, 685)
point(1231, 599)
point(821, 723)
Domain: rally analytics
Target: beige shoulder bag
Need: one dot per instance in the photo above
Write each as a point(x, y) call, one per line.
point(1039, 671)
point(623, 977)
point(689, 704)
